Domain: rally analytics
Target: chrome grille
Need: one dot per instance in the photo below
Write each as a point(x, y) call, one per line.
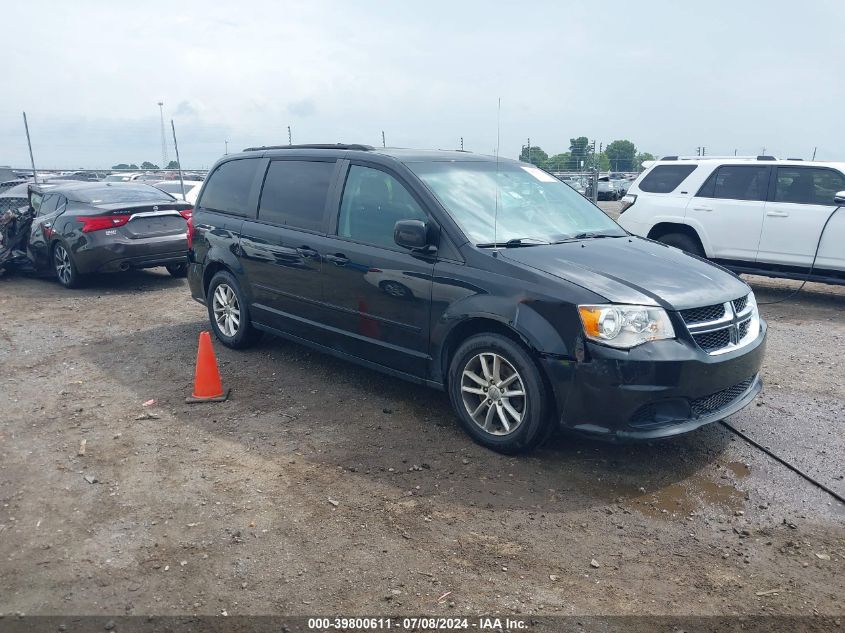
point(719, 400)
point(704, 314)
point(721, 327)
point(713, 340)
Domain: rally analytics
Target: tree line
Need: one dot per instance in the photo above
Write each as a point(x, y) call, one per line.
point(148, 165)
point(621, 155)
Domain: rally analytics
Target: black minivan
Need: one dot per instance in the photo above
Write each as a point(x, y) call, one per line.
point(488, 278)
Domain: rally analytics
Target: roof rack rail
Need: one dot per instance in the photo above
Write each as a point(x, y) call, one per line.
point(349, 146)
point(714, 157)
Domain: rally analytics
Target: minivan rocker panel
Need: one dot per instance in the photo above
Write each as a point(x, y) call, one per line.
point(586, 328)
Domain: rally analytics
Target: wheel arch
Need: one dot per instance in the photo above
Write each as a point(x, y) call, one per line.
point(527, 328)
point(664, 228)
point(470, 327)
point(211, 269)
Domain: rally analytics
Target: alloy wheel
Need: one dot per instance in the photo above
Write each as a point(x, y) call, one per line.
point(227, 310)
point(493, 393)
point(63, 266)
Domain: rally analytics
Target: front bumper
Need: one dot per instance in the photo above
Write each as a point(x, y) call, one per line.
point(657, 390)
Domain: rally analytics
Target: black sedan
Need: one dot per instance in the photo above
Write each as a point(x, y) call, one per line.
point(82, 228)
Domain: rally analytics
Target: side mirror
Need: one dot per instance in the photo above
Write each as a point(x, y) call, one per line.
point(839, 197)
point(412, 234)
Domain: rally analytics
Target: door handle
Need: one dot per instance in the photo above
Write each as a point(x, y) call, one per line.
point(338, 259)
point(777, 214)
point(702, 209)
point(307, 251)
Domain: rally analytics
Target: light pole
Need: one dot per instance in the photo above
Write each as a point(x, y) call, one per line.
point(163, 138)
point(227, 147)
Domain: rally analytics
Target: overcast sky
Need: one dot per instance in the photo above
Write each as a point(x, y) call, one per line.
point(669, 76)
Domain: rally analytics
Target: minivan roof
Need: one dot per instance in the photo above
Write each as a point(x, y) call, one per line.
point(404, 155)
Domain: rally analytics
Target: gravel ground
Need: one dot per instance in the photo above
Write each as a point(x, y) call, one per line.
point(321, 487)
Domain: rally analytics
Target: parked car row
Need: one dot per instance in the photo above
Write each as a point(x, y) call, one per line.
point(610, 187)
point(544, 314)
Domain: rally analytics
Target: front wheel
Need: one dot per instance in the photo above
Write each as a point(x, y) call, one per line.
point(65, 268)
point(498, 393)
point(229, 313)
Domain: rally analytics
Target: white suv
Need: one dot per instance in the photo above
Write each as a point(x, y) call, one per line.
point(753, 215)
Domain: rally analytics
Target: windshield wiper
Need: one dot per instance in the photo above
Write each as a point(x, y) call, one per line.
point(516, 243)
point(587, 236)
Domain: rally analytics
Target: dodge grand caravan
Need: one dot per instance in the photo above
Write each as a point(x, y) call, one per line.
point(489, 279)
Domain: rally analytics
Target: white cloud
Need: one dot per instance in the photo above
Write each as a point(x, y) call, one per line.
point(669, 76)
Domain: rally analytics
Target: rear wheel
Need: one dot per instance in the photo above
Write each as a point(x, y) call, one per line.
point(229, 313)
point(64, 266)
point(682, 241)
point(498, 393)
point(178, 270)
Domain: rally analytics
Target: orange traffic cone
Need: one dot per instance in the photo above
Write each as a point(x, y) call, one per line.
point(207, 384)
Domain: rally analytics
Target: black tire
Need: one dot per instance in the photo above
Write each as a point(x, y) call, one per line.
point(180, 271)
point(535, 424)
point(64, 267)
point(245, 334)
point(682, 241)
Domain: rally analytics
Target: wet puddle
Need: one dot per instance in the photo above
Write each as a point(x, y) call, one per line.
point(739, 469)
point(691, 495)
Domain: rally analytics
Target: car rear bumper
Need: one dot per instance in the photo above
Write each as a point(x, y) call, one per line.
point(657, 390)
point(115, 253)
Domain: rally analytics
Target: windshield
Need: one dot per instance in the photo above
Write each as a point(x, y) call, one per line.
point(532, 205)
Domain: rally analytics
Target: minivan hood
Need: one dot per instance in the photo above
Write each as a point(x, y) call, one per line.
point(634, 270)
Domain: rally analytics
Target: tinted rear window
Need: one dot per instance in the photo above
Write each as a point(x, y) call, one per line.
point(736, 182)
point(294, 193)
point(131, 193)
point(665, 178)
point(228, 188)
point(808, 185)
point(49, 204)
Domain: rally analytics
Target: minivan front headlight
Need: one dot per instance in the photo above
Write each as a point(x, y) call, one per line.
point(625, 326)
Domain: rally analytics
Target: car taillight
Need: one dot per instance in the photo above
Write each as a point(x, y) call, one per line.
point(190, 220)
point(627, 202)
point(188, 214)
point(100, 222)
